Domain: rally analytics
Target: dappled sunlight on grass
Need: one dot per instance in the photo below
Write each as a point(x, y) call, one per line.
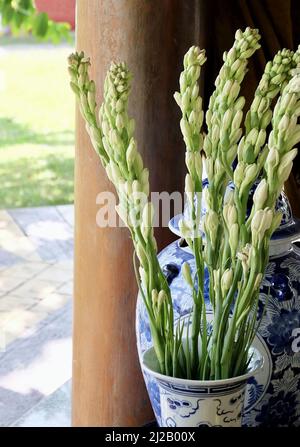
point(36, 175)
point(36, 127)
point(12, 133)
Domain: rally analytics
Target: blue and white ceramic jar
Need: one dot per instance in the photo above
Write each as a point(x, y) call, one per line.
point(200, 403)
point(273, 396)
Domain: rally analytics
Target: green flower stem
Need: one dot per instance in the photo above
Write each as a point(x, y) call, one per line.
point(235, 246)
point(114, 142)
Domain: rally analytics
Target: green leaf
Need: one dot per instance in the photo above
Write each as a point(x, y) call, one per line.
point(18, 19)
point(7, 14)
point(40, 25)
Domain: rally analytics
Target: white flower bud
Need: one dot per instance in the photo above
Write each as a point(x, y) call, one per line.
point(185, 128)
point(211, 224)
point(195, 91)
point(260, 141)
point(236, 65)
point(287, 159)
point(244, 256)
point(295, 137)
point(192, 118)
point(261, 194)
point(236, 122)
point(227, 88)
point(268, 218)
point(207, 198)
point(185, 230)
point(120, 105)
point(183, 81)
point(131, 153)
point(234, 91)
point(255, 103)
point(127, 186)
point(215, 134)
point(248, 53)
point(239, 173)
point(239, 104)
point(272, 159)
point(208, 117)
point(229, 197)
point(232, 215)
point(116, 174)
point(234, 237)
point(141, 254)
point(256, 221)
point(285, 101)
point(266, 119)
point(186, 271)
point(238, 34)
point(148, 215)
point(92, 100)
point(120, 122)
point(292, 125)
point(154, 297)
point(198, 104)
point(105, 127)
point(231, 154)
point(258, 280)
point(136, 186)
point(177, 98)
point(227, 118)
point(95, 134)
point(252, 136)
point(226, 280)
point(115, 140)
point(260, 223)
point(294, 84)
point(185, 100)
point(250, 173)
point(207, 146)
point(235, 135)
point(284, 172)
point(154, 243)
point(162, 298)
point(283, 123)
point(231, 55)
point(240, 150)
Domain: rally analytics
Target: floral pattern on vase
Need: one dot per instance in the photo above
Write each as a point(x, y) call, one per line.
point(195, 403)
point(281, 317)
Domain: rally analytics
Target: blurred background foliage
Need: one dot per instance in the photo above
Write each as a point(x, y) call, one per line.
point(23, 17)
point(37, 108)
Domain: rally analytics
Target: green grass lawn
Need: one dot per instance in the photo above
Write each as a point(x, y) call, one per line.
point(36, 125)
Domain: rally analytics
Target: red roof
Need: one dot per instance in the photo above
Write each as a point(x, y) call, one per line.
point(60, 11)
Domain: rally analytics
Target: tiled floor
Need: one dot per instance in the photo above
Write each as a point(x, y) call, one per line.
point(36, 251)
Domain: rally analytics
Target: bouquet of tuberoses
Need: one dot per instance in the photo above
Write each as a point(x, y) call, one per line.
point(231, 243)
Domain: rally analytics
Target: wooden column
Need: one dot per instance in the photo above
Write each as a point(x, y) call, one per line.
point(151, 36)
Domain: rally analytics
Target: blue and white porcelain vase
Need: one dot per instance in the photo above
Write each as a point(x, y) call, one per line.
point(200, 403)
point(273, 396)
